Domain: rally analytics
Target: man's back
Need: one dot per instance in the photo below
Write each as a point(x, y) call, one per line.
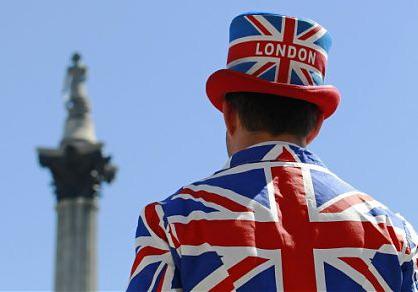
point(273, 219)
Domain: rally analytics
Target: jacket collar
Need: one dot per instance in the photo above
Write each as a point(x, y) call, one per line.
point(273, 151)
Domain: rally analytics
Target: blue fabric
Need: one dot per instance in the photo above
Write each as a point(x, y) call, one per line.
point(269, 75)
point(243, 67)
point(304, 25)
point(410, 278)
point(294, 78)
point(264, 281)
point(316, 78)
point(338, 281)
point(143, 280)
point(159, 277)
point(196, 268)
point(240, 27)
point(306, 156)
point(388, 267)
point(252, 154)
point(325, 42)
point(141, 230)
point(251, 184)
point(275, 20)
point(185, 207)
point(327, 187)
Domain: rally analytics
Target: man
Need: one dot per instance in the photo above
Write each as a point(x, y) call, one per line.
point(274, 218)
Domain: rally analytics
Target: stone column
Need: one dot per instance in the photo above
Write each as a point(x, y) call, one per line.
point(76, 253)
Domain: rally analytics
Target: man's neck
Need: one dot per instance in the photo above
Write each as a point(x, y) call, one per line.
point(256, 138)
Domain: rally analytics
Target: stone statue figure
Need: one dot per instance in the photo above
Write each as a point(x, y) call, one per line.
point(77, 102)
point(79, 125)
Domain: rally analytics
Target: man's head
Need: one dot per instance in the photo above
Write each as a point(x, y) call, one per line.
point(253, 118)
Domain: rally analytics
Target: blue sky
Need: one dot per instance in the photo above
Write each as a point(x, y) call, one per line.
point(149, 61)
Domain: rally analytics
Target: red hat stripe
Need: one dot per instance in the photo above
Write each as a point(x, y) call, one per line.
point(283, 74)
point(289, 29)
point(279, 50)
point(288, 37)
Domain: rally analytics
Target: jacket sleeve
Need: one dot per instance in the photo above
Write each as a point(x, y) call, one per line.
point(410, 265)
point(153, 268)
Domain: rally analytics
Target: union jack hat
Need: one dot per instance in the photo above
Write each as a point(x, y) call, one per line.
point(276, 54)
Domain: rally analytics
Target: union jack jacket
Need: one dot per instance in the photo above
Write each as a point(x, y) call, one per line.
point(274, 218)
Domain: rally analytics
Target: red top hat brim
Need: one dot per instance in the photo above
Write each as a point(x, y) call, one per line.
point(224, 81)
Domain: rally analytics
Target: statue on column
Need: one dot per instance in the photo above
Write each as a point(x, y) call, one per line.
point(79, 126)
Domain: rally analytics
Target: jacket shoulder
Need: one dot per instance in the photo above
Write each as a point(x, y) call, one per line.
point(335, 196)
point(204, 196)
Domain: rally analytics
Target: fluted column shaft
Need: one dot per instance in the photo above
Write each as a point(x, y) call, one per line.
point(76, 245)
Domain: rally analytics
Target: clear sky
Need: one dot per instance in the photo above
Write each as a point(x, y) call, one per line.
point(148, 62)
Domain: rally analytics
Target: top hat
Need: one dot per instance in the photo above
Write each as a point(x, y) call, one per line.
point(279, 55)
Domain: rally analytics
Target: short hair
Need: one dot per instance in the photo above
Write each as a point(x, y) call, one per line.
point(259, 112)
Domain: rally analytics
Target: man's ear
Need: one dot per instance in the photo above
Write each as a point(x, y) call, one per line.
point(315, 131)
point(230, 117)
